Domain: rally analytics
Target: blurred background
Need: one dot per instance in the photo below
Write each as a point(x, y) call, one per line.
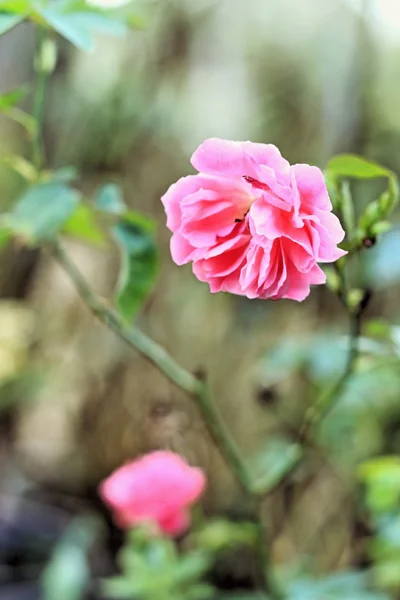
point(315, 77)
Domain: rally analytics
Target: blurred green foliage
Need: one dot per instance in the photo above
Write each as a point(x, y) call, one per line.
point(52, 206)
point(381, 477)
point(153, 570)
point(343, 586)
point(67, 574)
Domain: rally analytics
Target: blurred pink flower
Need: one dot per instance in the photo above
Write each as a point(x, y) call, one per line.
point(251, 223)
point(158, 488)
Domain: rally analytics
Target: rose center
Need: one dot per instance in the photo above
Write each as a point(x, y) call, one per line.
point(271, 197)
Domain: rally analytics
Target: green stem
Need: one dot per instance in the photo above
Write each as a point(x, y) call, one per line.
point(38, 100)
point(222, 437)
point(327, 400)
point(342, 292)
point(157, 355)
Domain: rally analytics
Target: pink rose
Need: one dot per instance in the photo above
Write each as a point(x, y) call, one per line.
point(158, 487)
point(251, 223)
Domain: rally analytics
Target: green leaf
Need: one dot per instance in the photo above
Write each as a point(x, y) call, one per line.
point(73, 5)
point(354, 298)
point(68, 26)
point(109, 199)
point(79, 27)
point(42, 211)
point(390, 198)
point(370, 216)
point(22, 118)
point(20, 165)
point(67, 575)
point(340, 586)
point(64, 174)
point(347, 209)
point(135, 218)
point(8, 21)
point(82, 224)
point(11, 98)
point(8, 107)
point(152, 569)
point(332, 279)
point(382, 467)
point(218, 534)
point(387, 573)
point(378, 328)
point(16, 7)
point(99, 22)
point(118, 587)
point(138, 268)
point(333, 188)
point(274, 462)
point(350, 165)
point(380, 227)
point(5, 237)
point(382, 477)
point(135, 21)
point(20, 388)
